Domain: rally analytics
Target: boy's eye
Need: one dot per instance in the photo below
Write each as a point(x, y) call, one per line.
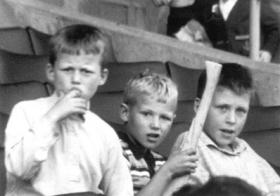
point(146, 113)
point(166, 118)
point(86, 71)
point(223, 108)
point(68, 69)
point(241, 111)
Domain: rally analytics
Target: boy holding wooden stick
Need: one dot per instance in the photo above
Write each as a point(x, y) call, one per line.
point(220, 150)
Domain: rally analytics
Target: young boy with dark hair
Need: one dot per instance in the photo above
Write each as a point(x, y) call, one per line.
point(220, 150)
point(221, 186)
point(55, 145)
point(148, 110)
point(226, 186)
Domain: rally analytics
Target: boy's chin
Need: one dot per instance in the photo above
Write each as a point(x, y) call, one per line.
point(151, 146)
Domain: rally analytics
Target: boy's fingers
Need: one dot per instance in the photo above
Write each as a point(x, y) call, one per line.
point(72, 100)
point(192, 170)
point(185, 151)
point(74, 93)
point(193, 159)
point(60, 93)
point(192, 164)
point(82, 107)
point(189, 151)
point(190, 167)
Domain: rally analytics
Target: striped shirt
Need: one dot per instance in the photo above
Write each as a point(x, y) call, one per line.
point(142, 162)
point(243, 162)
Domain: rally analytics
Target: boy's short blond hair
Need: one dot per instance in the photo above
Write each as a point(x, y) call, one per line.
point(78, 38)
point(150, 84)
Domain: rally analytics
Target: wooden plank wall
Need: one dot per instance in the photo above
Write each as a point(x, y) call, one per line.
point(275, 4)
point(7, 16)
point(142, 14)
point(132, 44)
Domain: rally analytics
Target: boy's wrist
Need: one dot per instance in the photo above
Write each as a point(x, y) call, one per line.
point(51, 118)
point(166, 171)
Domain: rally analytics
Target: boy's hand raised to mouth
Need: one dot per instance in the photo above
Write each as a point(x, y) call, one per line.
point(67, 104)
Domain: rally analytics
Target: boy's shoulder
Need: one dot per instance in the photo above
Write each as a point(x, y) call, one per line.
point(34, 105)
point(34, 101)
point(124, 139)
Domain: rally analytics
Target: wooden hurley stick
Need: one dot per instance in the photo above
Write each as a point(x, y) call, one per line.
point(213, 71)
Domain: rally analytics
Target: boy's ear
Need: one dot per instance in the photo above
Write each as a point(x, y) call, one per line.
point(196, 104)
point(104, 76)
point(124, 113)
point(50, 72)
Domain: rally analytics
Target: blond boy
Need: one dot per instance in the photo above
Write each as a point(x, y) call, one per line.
point(148, 111)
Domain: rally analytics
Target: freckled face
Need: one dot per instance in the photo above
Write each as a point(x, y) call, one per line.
point(82, 72)
point(226, 116)
point(149, 120)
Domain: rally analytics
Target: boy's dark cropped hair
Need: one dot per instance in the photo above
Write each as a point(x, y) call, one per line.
point(226, 186)
point(78, 38)
point(233, 76)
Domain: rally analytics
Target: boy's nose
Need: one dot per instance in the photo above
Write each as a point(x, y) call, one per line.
point(231, 117)
point(155, 123)
point(76, 77)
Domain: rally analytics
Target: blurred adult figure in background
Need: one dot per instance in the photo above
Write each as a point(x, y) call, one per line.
point(226, 23)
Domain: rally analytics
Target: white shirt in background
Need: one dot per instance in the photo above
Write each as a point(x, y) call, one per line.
point(226, 6)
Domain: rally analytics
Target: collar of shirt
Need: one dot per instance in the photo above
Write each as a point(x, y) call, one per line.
point(140, 152)
point(226, 6)
point(238, 146)
point(137, 149)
